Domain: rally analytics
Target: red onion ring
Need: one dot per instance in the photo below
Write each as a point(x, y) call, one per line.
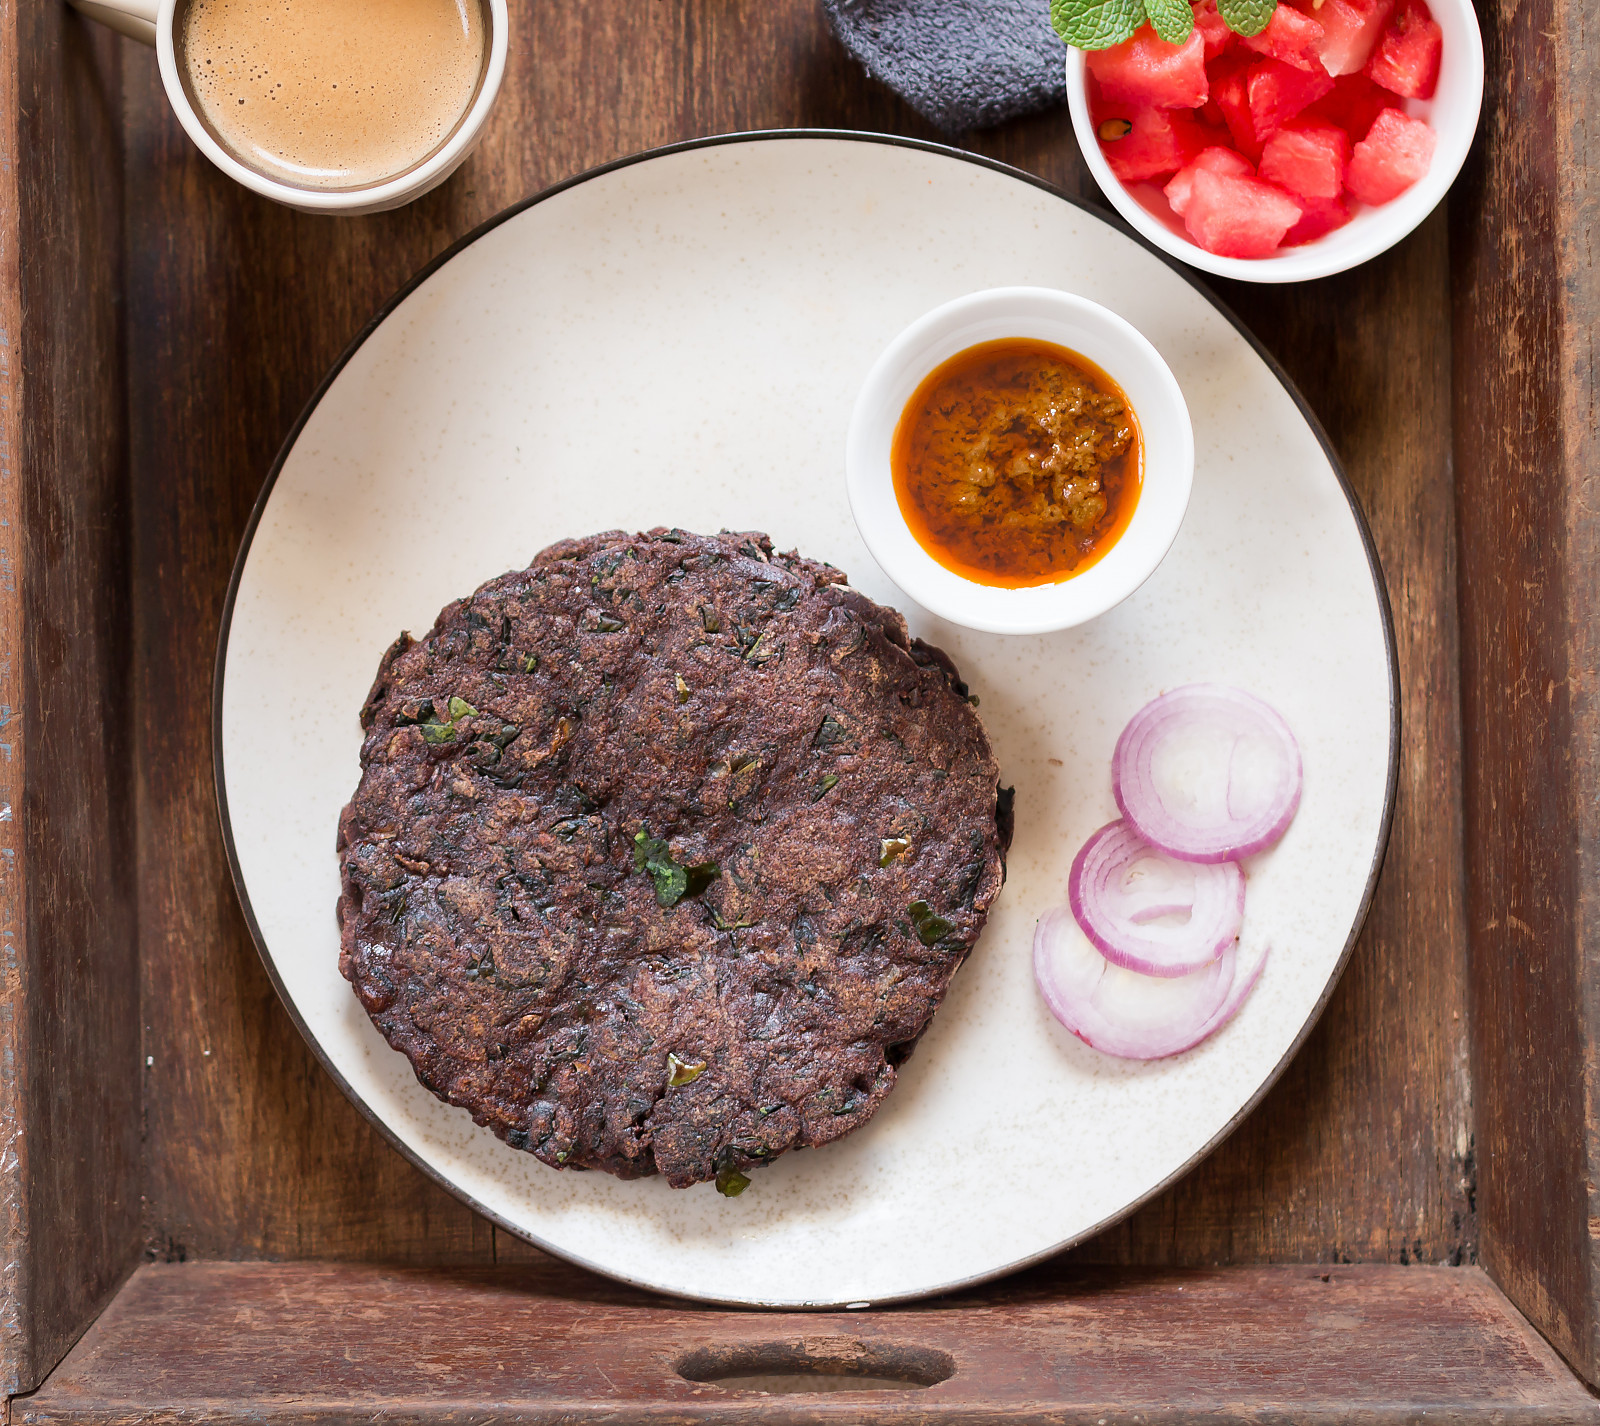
point(1207, 773)
point(1119, 1011)
point(1137, 1017)
point(1121, 887)
point(1247, 971)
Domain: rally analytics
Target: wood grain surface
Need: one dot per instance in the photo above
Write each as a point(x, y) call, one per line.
point(1527, 442)
point(163, 328)
point(237, 307)
point(70, 1214)
point(16, 1349)
point(319, 1342)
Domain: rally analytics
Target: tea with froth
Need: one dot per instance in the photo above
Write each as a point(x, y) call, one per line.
point(332, 94)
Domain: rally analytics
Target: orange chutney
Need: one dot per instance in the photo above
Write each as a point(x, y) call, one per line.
point(1017, 462)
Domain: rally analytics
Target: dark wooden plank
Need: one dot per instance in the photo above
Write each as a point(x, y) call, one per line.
point(252, 1151)
point(316, 1342)
point(15, 1343)
point(69, 1079)
point(1527, 300)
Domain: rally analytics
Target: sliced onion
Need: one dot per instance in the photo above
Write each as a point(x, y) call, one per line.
point(1149, 912)
point(1207, 773)
point(1121, 1012)
point(1249, 963)
point(1137, 1017)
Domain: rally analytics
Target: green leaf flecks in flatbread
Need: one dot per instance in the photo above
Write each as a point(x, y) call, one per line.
point(1171, 19)
point(681, 1072)
point(931, 927)
point(1247, 17)
point(673, 881)
point(1096, 24)
point(651, 854)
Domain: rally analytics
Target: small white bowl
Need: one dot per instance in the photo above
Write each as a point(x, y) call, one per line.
point(1043, 314)
point(1453, 113)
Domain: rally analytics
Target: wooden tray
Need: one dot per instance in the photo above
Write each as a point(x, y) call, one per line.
point(160, 329)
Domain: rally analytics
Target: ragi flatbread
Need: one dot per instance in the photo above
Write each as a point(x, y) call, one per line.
point(664, 853)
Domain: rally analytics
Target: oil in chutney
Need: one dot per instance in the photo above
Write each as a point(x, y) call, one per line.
point(1017, 462)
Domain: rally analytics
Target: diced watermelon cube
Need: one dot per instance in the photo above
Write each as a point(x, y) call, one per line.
point(1279, 91)
point(1290, 36)
point(1213, 160)
point(1354, 103)
point(1229, 92)
point(1141, 143)
point(1213, 28)
point(1147, 70)
point(1350, 28)
point(1238, 217)
point(1407, 57)
point(1308, 157)
point(1319, 216)
point(1393, 156)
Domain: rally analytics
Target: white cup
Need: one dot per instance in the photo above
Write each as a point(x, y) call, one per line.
point(153, 22)
point(1066, 320)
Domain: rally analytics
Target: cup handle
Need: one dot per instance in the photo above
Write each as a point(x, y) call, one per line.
point(134, 18)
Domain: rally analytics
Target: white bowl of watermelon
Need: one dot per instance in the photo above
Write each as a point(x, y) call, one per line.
point(1292, 154)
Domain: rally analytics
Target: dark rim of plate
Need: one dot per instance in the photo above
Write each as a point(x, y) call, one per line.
point(845, 136)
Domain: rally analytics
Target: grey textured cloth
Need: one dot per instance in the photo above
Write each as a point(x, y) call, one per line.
point(964, 64)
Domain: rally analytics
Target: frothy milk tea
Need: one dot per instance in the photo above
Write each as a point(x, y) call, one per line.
point(332, 93)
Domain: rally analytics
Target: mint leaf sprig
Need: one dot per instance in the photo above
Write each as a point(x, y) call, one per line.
point(1096, 24)
point(1246, 17)
point(1100, 24)
point(1171, 19)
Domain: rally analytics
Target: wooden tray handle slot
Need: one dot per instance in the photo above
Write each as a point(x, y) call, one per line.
point(815, 1364)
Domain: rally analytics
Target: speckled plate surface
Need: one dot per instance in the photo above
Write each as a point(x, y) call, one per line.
point(678, 340)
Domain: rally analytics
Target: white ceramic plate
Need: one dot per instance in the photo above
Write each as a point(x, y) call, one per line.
point(679, 340)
